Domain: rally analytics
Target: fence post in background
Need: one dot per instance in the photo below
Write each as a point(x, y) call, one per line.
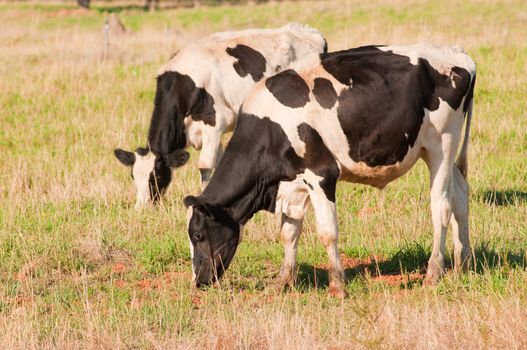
point(84, 3)
point(151, 5)
point(106, 33)
point(114, 28)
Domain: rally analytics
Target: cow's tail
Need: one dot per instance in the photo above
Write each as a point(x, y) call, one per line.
point(461, 161)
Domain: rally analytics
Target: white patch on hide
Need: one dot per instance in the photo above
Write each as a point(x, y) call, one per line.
point(143, 166)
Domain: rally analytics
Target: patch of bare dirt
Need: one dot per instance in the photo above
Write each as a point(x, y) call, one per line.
point(370, 267)
point(148, 283)
point(119, 268)
point(196, 300)
point(120, 284)
point(361, 264)
point(399, 279)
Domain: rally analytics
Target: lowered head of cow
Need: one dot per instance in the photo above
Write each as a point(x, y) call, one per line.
point(214, 237)
point(151, 171)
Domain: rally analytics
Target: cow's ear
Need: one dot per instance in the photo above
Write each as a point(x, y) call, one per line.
point(177, 158)
point(191, 200)
point(125, 157)
point(142, 151)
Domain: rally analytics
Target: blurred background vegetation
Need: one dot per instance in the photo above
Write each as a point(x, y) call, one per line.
point(156, 4)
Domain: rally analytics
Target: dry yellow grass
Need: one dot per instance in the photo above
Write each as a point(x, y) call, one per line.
point(79, 268)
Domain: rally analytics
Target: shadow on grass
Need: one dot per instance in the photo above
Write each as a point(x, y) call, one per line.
point(503, 198)
point(488, 258)
point(406, 268)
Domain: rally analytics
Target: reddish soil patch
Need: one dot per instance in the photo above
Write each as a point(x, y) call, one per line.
point(353, 263)
point(118, 268)
point(196, 301)
point(158, 282)
point(369, 266)
point(148, 282)
point(397, 280)
point(120, 283)
point(365, 212)
point(23, 300)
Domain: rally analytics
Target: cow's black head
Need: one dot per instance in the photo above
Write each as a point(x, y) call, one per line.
point(151, 171)
point(214, 237)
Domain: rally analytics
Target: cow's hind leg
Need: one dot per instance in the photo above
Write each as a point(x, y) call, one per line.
point(441, 165)
point(448, 193)
point(459, 221)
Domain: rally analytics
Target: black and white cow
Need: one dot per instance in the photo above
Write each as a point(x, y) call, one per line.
point(198, 95)
point(363, 115)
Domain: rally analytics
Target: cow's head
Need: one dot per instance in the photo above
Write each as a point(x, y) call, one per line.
point(214, 237)
point(151, 171)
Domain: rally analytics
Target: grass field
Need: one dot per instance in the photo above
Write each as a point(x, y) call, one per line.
point(80, 268)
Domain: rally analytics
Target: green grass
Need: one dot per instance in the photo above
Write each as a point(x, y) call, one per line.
point(79, 267)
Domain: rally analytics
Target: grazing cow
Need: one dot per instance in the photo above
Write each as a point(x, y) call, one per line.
point(198, 95)
point(363, 115)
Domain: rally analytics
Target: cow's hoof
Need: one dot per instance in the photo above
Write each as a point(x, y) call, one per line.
point(462, 264)
point(430, 281)
point(433, 277)
point(434, 272)
point(276, 288)
point(279, 285)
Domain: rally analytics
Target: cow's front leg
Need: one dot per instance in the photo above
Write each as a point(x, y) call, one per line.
point(290, 230)
point(211, 151)
point(327, 228)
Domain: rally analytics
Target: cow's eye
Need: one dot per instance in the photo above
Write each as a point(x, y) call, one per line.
point(198, 236)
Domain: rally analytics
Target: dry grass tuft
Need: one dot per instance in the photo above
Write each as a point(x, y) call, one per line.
point(95, 251)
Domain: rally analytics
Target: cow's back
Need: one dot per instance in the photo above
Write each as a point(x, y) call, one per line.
point(368, 104)
point(228, 64)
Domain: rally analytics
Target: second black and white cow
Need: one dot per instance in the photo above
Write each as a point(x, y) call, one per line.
point(199, 92)
point(364, 115)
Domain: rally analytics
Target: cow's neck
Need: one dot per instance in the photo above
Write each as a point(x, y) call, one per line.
point(177, 96)
point(256, 159)
point(243, 208)
point(167, 131)
point(240, 189)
